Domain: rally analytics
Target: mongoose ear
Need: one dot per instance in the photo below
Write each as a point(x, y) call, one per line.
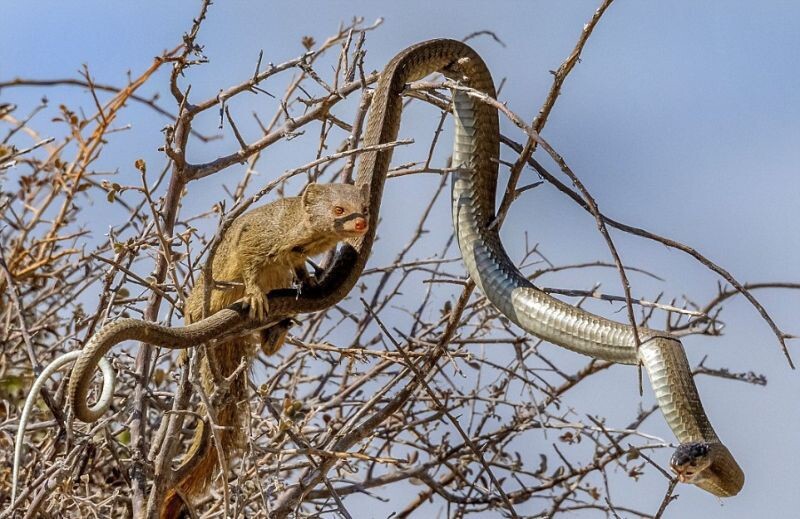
point(311, 194)
point(365, 192)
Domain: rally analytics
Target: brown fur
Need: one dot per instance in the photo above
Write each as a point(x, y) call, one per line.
point(264, 249)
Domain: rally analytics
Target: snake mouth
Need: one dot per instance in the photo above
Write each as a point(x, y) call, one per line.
point(682, 476)
point(686, 473)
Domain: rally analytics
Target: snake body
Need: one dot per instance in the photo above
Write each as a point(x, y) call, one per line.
point(128, 329)
point(704, 460)
point(107, 393)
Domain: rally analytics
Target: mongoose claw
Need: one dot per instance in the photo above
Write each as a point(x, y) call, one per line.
point(259, 307)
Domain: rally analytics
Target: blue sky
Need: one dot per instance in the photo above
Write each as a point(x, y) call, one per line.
point(682, 118)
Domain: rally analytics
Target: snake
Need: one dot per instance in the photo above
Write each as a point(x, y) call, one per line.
point(700, 459)
point(107, 393)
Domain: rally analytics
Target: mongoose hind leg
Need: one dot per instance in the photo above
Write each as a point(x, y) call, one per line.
point(273, 337)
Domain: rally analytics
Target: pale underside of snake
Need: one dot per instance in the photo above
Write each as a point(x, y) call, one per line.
point(701, 458)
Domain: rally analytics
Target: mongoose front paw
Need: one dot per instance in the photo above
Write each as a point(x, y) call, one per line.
point(258, 305)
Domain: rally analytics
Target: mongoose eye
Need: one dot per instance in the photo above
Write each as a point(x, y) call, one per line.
point(338, 210)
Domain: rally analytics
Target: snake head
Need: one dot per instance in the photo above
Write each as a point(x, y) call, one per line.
point(689, 460)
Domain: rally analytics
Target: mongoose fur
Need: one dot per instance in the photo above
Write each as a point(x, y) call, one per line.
point(264, 249)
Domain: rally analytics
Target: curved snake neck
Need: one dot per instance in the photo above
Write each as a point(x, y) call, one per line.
point(475, 154)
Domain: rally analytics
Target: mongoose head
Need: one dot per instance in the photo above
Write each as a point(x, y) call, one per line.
point(338, 209)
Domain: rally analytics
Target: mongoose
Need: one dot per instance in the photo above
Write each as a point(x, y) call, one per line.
point(264, 249)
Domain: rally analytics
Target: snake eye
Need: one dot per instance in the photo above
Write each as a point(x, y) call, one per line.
point(338, 210)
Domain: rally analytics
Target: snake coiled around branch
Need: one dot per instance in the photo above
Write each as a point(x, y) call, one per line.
point(701, 458)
